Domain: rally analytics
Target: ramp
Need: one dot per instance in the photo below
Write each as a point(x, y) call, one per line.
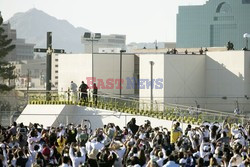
point(41, 114)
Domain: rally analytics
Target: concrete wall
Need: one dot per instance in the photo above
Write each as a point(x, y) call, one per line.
point(201, 79)
point(73, 67)
point(107, 66)
point(228, 75)
point(78, 67)
point(184, 78)
point(145, 77)
point(225, 73)
point(247, 73)
point(182, 75)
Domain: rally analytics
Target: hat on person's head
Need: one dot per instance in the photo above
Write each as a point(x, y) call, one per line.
point(61, 125)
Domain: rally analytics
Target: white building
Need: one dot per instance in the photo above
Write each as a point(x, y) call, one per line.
point(217, 80)
point(114, 42)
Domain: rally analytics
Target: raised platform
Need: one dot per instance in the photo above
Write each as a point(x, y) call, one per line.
point(53, 115)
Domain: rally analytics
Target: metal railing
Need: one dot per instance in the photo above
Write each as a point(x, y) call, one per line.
point(138, 107)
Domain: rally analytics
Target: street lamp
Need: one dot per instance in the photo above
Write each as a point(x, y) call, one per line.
point(151, 88)
point(246, 35)
point(88, 36)
point(121, 51)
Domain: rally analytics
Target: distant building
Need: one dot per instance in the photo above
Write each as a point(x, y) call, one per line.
point(213, 24)
point(34, 69)
point(114, 42)
point(22, 51)
point(133, 47)
point(54, 70)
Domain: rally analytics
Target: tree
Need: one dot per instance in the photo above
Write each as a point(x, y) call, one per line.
point(6, 69)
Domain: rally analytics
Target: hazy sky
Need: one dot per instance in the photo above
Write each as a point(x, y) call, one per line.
point(140, 20)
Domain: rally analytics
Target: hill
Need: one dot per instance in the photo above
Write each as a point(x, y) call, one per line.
point(34, 24)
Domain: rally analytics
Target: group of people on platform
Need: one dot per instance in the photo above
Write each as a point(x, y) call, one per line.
point(208, 145)
point(83, 92)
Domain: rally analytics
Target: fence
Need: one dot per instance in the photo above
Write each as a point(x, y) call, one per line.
point(11, 104)
point(168, 111)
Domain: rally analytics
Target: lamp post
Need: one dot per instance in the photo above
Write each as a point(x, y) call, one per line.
point(88, 36)
point(151, 78)
point(121, 51)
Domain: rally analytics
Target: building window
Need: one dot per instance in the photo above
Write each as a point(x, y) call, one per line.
point(246, 1)
point(56, 71)
point(56, 59)
point(56, 65)
point(56, 77)
point(224, 8)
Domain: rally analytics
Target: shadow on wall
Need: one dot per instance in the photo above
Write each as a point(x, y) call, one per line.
point(227, 85)
point(224, 86)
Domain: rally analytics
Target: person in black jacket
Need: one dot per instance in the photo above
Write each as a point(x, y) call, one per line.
point(132, 126)
point(21, 160)
point(84, 93)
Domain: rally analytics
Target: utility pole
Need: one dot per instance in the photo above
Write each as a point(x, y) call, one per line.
point(152, 83)
point(28, 81)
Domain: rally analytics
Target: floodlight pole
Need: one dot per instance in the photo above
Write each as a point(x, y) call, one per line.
point(92, 51)
point(152, 84)
point(92, 38)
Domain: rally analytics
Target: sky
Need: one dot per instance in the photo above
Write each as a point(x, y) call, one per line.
point(139, 20)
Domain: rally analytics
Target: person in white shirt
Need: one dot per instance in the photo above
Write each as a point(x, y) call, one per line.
point(236, 159)
point(79, 159)
point(120, 149)
point(161, 158)
point(73, 89)
point(4, 161)
point(206, 149)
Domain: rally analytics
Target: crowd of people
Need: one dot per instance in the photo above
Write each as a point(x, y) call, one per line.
point(207, 145)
